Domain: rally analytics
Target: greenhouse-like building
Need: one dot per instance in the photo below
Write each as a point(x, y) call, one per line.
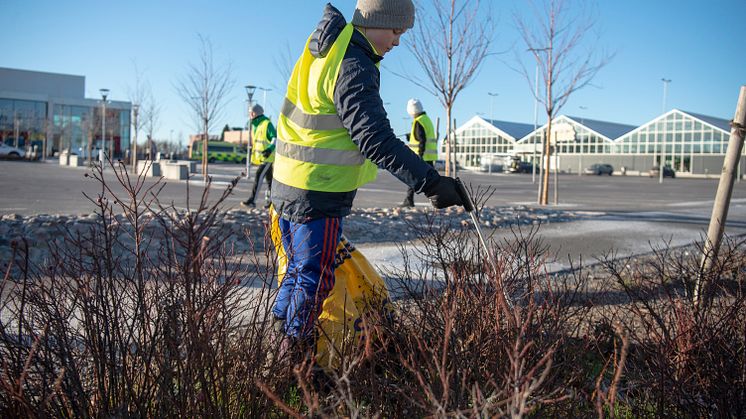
point(687, 142)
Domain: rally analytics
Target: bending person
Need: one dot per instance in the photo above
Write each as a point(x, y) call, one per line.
point(333, 135)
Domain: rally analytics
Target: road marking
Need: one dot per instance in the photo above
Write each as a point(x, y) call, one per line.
point(214, 183)
point(709, 202)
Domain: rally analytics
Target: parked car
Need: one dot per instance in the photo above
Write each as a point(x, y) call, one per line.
point(10, 152)
point(599, 169)
point(655, 171)
point(520, 167)
point(439, 165)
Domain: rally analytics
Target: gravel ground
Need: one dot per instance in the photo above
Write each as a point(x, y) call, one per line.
point(366, 226)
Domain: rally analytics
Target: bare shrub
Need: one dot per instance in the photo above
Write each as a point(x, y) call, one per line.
point(144, 311)
point(148, 311)
point(455, 348)
point(685, 360)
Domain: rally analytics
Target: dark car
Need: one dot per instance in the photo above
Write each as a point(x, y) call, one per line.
point(599, 169)
point(655, 171)
point(520, 167)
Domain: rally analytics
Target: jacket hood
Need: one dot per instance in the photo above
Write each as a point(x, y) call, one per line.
point(327, 31)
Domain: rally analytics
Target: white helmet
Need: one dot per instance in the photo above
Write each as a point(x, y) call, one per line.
point(414, 106)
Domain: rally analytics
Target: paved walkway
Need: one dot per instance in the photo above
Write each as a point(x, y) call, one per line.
point(620, 234)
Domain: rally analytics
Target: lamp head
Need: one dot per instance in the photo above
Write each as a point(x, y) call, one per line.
point(250, 89)
point(104, 93)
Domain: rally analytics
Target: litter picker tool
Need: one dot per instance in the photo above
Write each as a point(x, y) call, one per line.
point(469, 207)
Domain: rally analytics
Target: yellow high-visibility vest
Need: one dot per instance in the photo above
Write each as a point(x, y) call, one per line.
point(314, 151)
point(261, 142)
point(431, 145)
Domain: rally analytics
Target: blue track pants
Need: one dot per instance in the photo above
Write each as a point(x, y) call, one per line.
point(310, 248)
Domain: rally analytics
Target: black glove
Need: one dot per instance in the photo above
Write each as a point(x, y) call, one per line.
point(444, 193)
point(267, 152)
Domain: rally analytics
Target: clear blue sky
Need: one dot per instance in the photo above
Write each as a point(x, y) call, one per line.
point(696, 44)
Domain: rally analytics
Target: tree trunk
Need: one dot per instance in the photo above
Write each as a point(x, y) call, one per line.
point(547, 165)
point(449, 138)
point(204, 154)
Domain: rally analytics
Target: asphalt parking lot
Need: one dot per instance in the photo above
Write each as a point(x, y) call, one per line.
point(627, 214)
point(47, 188)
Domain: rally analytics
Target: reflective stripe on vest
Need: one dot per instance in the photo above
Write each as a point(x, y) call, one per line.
point(261, 142)
point(310, 121)
point(319, 155)
point(313, 149)
point(431, 144)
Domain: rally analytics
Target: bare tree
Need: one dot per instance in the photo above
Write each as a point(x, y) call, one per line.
point(151, 115)
point(64, 130)
point(284, 62)
point(88, 124)
point(139, 94)
point(168, 147)
point(204, 88)
point(450, 41)
point(554, 34)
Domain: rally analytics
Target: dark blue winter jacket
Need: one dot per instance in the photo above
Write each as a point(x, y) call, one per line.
point(361, 110)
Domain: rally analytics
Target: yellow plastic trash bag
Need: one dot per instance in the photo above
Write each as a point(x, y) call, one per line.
point(358, 290)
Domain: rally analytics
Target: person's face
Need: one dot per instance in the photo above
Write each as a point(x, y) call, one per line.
point(384, 39)
point(253, 115)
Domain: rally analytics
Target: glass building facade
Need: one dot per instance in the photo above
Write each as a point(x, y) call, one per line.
point(688, 142)
point(478, 140)
point(23, 122)
point(79, 129)
point(47, 111)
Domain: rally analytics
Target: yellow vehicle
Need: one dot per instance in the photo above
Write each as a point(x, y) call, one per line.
point(219, 151)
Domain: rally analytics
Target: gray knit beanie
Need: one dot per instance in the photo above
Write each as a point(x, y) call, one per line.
point(257, 109)
point(384, 14)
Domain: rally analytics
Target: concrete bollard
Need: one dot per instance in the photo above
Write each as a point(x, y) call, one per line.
point(153, 168)
point(176, 171)
point(76, 160)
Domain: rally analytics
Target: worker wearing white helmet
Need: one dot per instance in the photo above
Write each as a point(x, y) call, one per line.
point(422, 140)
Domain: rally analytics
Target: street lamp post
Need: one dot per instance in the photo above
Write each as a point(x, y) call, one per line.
point(264, 99)
point(104, 93)
point(492, 95)
point(135, 110)
point(663, 140)
point(250, 89)
point(492, 100)
point(665, 93)
point(536, 120)
point(545, 146)
point(580, 141)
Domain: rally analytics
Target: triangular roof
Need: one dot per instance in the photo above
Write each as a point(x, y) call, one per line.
point(489, 125)
point(723, 124)
point(514, 129)
point(712, 121)
point(610, 130)
point(606, 130)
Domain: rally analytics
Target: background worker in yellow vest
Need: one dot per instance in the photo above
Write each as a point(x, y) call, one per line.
point(422, 140)
point(262, 153)
point(333, 135)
